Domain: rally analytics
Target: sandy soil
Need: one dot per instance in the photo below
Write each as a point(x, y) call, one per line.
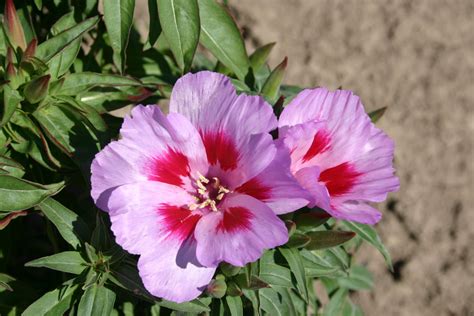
point(417, 57)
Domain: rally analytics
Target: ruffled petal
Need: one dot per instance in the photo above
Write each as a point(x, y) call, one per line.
point(356, 211)
point(154, 147)
point(307, 178)
point(210, 102)
point(171, 271)
point(276, 186)
point(239, 233)
point(233, 127)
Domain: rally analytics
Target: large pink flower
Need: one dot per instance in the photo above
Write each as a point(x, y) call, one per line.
point(338, 154)
point(199, 186)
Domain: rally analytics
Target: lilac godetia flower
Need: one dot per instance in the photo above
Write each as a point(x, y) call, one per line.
point(199, 186)
point(338, 154)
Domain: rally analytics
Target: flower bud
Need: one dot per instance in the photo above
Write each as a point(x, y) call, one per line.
point(217, 287)
point(37, 89)
point(13, 26)
point(30, 49)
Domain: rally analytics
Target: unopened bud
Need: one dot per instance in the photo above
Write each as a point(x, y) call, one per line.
point(30, 49)
point(37, 89)
point(217, 287)
point(13, 26)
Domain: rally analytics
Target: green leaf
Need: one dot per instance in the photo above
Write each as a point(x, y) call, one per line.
point(76, 83)
point(311, 220)
point(235, 305)
point(61, 63)
point(327, 239)
point(220, 35)
point(359, 279)
point(71, 227)
point(96, 301)
point(336, 304)
point(194, 306)
point(295, 262)
point(316, 265)
point(18, 194)
point(29, 139)
point(55, 302)
point(350, 309)
point(369, 234)
point(377, 114)
point(298, 240)
point(275, 274)
point(118, 17)
point(11, 167)
point(271, 87)
point(68, 129)
point(58, 43)
point(67, 261)
point(180, 23)
point(11, 101)
point(281, 301)
point(260, 55)
point(155, 24)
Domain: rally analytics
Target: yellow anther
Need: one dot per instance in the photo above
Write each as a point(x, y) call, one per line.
point(223, 190)
point(220, 196)
point(202, 178)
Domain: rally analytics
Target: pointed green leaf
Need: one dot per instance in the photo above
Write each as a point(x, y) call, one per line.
point(96, 301)
point(336, 304)
point(67, 261)
point(327, 239)
point(369, 234)
point(295, 262)
point(309, 221)
point(260, 55)
point(118, 17)
point(61, 63)
point(180, 23)
point(11, 167)
point(235, 305)
point(359, 279)
point(18, 194)
point(55, 302)
point(11, 101)
point(298, 240)
point(76, 83)
point(317, 265)
point(71, 227)
point(155, 24)
point(220, 35)
point(271, 87)
point(377, 114)
point(58, 43)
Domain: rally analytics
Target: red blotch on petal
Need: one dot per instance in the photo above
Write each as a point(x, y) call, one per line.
point(319, 145)
point(220, 148)
point(339, 179)
point(179, 222)
point(169, 168)
point(255, 189)
point(234, 219)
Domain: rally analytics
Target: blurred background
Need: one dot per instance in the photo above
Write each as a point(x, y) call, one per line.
point(417, 58)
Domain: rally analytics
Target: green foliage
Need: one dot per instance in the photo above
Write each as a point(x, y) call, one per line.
point(59, 79)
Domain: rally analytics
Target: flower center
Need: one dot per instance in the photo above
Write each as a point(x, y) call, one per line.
point(209, 193)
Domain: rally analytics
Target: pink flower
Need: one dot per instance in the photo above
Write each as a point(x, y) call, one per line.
point(338, 154)
point(199, 186)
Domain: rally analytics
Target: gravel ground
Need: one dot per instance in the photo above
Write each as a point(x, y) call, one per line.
point(417, 58)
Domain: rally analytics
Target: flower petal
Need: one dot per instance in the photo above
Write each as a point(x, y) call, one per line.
point(157, 209)
point(239, 233)
point(356, 211)
point(210, 102)
point(171, 271)
point(154, 147)
point(276, 186)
